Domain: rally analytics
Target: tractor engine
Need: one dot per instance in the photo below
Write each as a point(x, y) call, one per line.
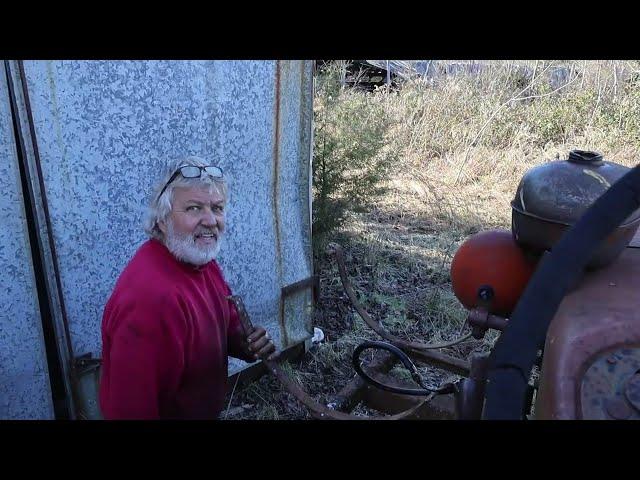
point(589, 367)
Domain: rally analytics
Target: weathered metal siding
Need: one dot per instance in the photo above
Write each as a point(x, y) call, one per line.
point(105, 128)
point(24, 381)
point(295, 115)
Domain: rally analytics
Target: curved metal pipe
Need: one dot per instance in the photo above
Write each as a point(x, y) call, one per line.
point(421, 351)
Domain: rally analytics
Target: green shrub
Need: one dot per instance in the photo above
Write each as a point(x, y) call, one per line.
point(351, 154)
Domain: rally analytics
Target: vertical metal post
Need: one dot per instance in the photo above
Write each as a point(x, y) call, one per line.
point(388, 75)
point(470, 391)
point(62, 404)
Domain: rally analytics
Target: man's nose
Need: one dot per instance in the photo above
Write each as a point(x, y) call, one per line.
point(209, 218)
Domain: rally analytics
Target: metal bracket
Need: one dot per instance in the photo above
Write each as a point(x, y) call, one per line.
point(85, 363)
point(313, 282)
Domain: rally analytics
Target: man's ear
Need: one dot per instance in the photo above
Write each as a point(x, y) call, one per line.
point(162, 226)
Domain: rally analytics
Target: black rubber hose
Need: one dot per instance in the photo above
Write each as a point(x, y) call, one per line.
point(514, 354)
point(406, 361)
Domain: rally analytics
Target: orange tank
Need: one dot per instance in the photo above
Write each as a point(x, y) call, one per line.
point(491, 258)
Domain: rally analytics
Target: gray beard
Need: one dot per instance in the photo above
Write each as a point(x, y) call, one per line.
point(185, 249)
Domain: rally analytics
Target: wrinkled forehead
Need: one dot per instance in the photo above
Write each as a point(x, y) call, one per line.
point(202, 193)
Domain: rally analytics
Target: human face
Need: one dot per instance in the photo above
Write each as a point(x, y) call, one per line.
point(194, 227)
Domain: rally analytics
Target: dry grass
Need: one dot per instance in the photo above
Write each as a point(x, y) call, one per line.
point(461, 145)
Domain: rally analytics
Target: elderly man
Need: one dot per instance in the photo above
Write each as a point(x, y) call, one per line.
point(168, 327)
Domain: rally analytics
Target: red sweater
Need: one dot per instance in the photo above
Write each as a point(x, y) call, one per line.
point(166, 332)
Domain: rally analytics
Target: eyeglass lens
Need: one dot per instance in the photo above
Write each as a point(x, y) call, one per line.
point(194, 172)
point(213, 171)
point(190, 172)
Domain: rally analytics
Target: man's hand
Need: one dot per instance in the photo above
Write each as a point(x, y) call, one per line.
point(260, 345)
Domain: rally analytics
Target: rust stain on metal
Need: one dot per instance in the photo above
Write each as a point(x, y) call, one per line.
point(591, 321)
point(276, 156)
point(276, 188)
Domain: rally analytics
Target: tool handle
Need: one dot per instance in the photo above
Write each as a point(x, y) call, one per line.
point(245, 321)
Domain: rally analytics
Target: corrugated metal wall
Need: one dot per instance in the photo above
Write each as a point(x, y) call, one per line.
point(24, 380)
point(104, 130)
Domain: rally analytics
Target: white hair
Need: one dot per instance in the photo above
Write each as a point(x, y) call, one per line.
point(159, 208)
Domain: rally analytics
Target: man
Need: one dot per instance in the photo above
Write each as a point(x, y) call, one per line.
point(168, 327)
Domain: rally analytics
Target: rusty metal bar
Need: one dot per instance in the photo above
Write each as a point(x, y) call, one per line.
point(441, 407)
point(254, 371)
point(347, 398)
point(318, 410)
point(441, 360)
point(481, 320)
